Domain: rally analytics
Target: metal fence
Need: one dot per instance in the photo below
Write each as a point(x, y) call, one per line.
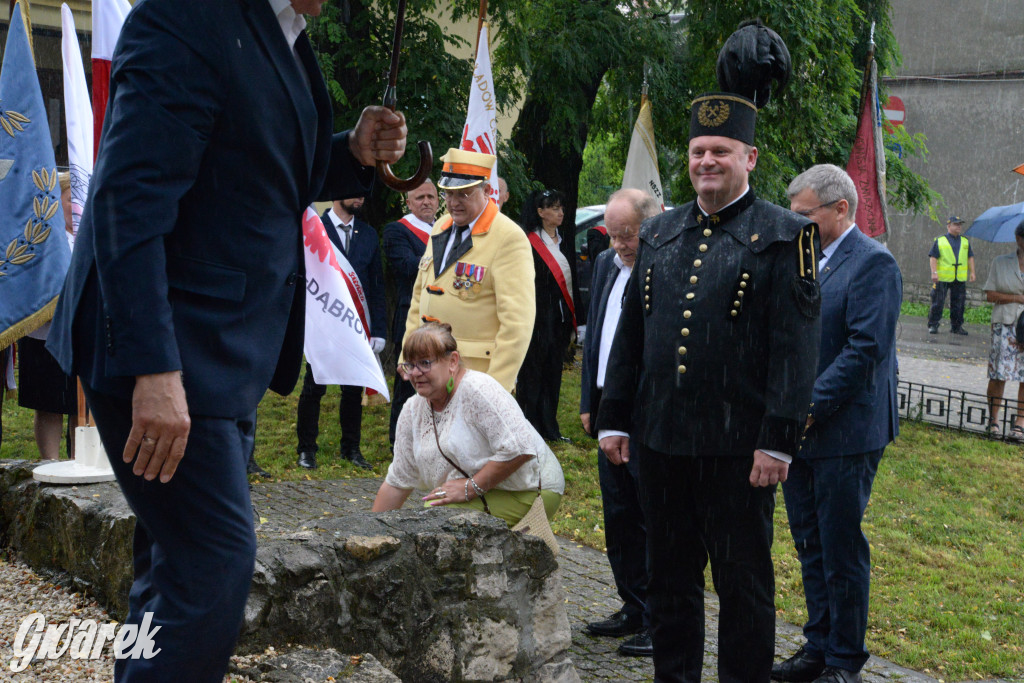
point(961, 410)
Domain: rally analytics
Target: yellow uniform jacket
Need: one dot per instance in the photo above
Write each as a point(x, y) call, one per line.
point(486, 294)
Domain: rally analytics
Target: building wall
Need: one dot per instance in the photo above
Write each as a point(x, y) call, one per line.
point(974, 122)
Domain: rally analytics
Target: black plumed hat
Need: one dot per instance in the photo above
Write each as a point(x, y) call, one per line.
point(752, 60)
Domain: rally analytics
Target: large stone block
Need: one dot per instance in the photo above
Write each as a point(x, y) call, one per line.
point(434, 595)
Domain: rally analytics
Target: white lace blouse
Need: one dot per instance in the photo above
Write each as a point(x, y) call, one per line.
point(482, 422)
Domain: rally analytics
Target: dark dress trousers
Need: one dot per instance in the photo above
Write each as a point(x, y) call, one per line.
point(540, 376)
point(714, 357)
point(364, 255)
point(403, 250)
point(624, 531)
point(855, 417)
point(209, 111)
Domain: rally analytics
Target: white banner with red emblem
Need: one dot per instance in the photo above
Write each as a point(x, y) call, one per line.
point(336, 342)
point(480, 134)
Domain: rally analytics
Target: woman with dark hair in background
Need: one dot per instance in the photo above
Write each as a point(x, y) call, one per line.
point(557, 292)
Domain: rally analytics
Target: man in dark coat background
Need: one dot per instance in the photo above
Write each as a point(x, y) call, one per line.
point(180, 309)
point(624, 530)
point(711, 373)
point(404, 242)
point(357, 241)
point(853, 417)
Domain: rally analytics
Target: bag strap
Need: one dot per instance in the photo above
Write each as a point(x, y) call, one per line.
point(451, 462)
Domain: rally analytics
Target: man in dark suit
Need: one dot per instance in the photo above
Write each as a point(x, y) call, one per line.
point(357, 241)
point(853, 417)
point(404, 242)
point(711, 373)
point(624, 531)
point(179, 310)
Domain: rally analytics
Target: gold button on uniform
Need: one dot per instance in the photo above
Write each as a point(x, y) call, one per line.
point(703, 247)
point(707, 232)
point(696, 264)
point(746, 276)
point(690, 295)
point(647, 288)
point(687, 314)
point(682, 350)
point(693, 279)
point(734, 313)
point(685, 332)
point(743, 285)
point(740, 293)
point(682, 369)
point(736, 304)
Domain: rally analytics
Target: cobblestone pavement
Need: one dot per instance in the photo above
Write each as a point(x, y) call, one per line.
point(589, 587)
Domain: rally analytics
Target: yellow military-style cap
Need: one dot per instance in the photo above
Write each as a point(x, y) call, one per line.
point(463, 168)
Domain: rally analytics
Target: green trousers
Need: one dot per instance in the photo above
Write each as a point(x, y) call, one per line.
point(511, 506)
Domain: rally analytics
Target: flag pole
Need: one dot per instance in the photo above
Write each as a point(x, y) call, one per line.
point(481, 16)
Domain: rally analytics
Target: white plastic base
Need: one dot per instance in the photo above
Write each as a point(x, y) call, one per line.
point(90, 465)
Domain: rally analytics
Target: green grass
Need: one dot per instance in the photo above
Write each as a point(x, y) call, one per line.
point(946, 524)
point(976, 314)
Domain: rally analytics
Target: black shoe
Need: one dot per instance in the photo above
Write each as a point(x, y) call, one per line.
point(833, 674)
point(307, 460)
point(356, 458)
point(252, 468)
point(617, 625)
point(638, 646)
point(961, 331)
point(933, 329)
point(802, 667)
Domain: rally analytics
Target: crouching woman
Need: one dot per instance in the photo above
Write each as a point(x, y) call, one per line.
point(463, 441)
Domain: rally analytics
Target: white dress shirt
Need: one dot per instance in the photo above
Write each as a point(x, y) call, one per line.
point(612, 312)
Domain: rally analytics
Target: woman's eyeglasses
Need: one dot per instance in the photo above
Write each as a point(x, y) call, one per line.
point(422, 365)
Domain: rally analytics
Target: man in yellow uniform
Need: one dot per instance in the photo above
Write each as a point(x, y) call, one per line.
point(477, 273)
point(952, 264)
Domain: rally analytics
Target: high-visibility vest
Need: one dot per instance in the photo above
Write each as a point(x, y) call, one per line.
point(952, 267)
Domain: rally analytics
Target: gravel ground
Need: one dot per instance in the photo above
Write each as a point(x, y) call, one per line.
point(24, 592)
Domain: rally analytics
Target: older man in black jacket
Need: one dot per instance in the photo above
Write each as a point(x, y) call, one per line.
point(711, 373)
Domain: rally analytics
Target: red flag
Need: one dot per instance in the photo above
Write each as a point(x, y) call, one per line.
point(107, 18)
point(867, 159)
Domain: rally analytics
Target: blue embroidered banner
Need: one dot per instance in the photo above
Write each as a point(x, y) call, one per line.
point(34, 251)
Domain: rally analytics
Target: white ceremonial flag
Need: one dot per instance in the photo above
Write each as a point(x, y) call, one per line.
point(336, 343)
point(481, 129)
point(78, 113)
point(642, 161)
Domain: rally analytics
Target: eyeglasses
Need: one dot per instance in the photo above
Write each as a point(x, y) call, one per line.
point(422, 365)
point(459, 195)
point(808, 212)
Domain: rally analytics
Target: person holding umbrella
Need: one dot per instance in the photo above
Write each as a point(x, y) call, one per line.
point(1005, 288)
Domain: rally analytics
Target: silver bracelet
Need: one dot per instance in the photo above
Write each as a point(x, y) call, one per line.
point(476, 487)
point(467, 490)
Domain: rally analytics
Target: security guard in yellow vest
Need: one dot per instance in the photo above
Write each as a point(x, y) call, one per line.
point(952, 264)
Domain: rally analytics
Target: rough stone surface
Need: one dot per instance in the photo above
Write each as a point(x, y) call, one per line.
point(304, 664)
point(435, 595)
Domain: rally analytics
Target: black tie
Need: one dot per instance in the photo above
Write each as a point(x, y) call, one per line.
point(460, 235)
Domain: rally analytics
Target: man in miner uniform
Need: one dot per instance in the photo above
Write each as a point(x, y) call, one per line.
point(711, 373)
point(477, 273)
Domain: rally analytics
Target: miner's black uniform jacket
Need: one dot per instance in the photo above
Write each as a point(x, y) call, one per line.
point(716, 350)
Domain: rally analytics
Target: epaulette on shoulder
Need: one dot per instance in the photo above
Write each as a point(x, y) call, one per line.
point(807, 251)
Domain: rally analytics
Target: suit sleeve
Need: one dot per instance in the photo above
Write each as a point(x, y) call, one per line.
point(346, 177)
point(792, 350)
point(516, 304)
point(399, 251)
point(158, 125)
point(589, 349)
point(413, 320)
point(375, 289)
point(872, 308)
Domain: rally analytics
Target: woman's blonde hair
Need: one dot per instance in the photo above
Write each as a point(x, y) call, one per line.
point(431, 341)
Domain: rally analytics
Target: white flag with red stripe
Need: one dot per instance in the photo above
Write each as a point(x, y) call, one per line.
point(107, 18)
point(481, 129)
point(78, 114)
point(336, 343)
point(642, 160)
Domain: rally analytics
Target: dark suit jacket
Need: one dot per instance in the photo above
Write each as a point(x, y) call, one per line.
point(189, 255)
point(364, 255)
point(404, 251)
point(605, 272)
point(716, 350)
point(553, 321)
point(854, 400)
